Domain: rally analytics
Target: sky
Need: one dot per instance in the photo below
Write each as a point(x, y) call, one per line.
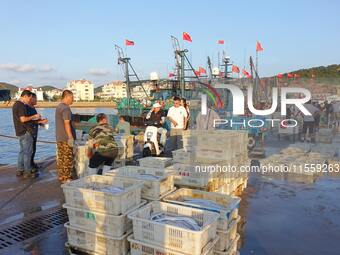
point(53, 42)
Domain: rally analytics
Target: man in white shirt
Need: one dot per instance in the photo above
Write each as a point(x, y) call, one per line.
point(178, 117)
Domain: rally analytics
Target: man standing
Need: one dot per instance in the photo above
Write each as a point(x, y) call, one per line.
point(32, 127)
point(65, 136)
point(177, 115)
point(123, 127)
point(309, 122)
point(103, 150)
point(20, 119)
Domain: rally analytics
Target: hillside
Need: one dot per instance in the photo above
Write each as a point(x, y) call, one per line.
point(47, 87)
point(330, 72)
point(12, 88)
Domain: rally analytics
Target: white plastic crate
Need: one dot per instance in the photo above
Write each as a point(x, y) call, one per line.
point(227, 214)
point(95, 242)
point(186, 175)
point(141, 248)
point(85, 193)
point(232, 250)
point(226, 237)
point(156, 162)
point(106, 224)
point(152, 189)
point(171, 237)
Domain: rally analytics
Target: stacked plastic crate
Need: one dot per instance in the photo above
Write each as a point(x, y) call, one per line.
point(157, 182)
point(97, 207)
point(152, 237)
point(211, 160)
point(227, 208)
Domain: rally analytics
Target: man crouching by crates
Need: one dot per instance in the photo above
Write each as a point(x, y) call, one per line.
point(103, 148)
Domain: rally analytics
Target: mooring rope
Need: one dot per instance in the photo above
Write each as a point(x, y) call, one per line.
point(15, 137)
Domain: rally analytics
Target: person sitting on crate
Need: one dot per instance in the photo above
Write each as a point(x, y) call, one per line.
point(103, 148)
point(156, 117)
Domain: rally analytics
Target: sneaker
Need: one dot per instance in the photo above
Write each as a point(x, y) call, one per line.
point(20, 173)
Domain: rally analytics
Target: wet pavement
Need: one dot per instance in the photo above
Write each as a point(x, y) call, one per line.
point(279, 216)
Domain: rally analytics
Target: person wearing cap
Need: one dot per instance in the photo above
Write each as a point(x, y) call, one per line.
point(157, 116)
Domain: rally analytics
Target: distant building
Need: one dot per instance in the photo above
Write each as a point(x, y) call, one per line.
point(82, 90)
point(39, 92)
point(114, 89)
point(138, 91)
point(53, 93)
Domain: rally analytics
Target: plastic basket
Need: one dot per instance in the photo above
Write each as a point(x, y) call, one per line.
point(156, 162)
point(152, 189)
point(227, 214)
point(85, 193)
point(186, 175)
point(95, 242)
point(141, 248)
point(226, 237)
point(106, 224)
point(171, 237)
point(232, 250)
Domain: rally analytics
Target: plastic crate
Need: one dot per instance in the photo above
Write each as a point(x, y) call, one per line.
point(95, 242)
point(141, 248)
point(156, 162)
point(106, 224)
point(230, 204)
point(226, 237)
point(171, 237)
point(186, 175)
point(232, 250)
point(152, 189)
point(84, 193)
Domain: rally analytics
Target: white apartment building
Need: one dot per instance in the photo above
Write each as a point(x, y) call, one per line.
point(82, 90)
point(38, 92)
point(114, 89)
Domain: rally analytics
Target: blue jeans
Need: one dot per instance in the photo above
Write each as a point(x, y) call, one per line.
point(25, 153)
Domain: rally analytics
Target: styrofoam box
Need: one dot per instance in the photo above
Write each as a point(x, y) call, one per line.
point(232, 250)
point(141, 248)
point(172, 237)
point(152, 189)
point(106, 224)
point(85, 193)
point(99, 243)
point(226, 237)
point(227, 214)
point(157, 162)
point(189, 157)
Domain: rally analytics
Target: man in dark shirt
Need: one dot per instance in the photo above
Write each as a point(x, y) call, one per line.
point(65, 136)
point(32, 127)
point(20, 119)
point(156, 117)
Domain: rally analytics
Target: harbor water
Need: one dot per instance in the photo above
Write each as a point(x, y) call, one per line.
point(9, 147)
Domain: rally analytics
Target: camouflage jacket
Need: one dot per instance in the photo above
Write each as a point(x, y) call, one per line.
point(102, 136)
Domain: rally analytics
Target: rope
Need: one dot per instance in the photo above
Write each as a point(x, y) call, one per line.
point(15, 137)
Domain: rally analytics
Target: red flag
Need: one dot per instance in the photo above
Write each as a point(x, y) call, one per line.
point(289, 75)
point(129, 43)
point(258, 46)
point(280, 75)
point(171, 74)
point(202, 70)
point(187, 37)
point(220, 42)
point(246, 74)
point(235, 69)
point(197, 72)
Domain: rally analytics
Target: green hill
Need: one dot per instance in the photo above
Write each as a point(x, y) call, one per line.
point(12, 88)
point(325, 73)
